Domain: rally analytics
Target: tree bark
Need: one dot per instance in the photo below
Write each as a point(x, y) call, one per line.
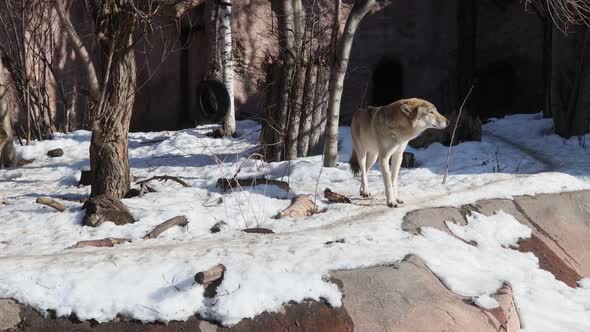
point(307, 109)
point(7, 151)
point(287, 54)
point(109, 161)
point(358, 12)
point(318, 122)
point(227, 63)
point(547, 64)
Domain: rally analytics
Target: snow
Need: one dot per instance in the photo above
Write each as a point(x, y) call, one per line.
point(153, 279)
point(486, 301)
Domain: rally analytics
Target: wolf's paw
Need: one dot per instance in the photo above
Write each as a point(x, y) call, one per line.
point(365, 195)
point(392, 205)
point(399, 201)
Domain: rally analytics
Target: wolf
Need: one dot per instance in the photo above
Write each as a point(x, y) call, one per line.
point(382, 133)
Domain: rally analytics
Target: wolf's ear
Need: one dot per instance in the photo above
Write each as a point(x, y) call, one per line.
point(406, 108)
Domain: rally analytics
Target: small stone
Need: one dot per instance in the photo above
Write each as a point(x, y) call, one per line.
point(218, 227)
point(55, 153)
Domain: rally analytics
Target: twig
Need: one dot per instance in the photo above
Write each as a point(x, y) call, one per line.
point(176, 221)
point(335, 197)
point(108, 242)
point(165, 178)
point(226, 183)
point(448, 164)
point(51, 203)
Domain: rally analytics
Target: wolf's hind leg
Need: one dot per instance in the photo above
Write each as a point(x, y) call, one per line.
point(362, 157)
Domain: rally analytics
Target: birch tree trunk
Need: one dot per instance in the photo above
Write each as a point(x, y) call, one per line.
point(227, 63)
point(358, 12)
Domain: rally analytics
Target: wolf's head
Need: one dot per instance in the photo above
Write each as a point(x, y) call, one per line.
point(423, 114)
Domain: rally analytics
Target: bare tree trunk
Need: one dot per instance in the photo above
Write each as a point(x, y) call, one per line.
point(358, 12)
point(7, 152)
point(318, 122)
point(298, 82)
point(547, 64)
point(227, 62)
point(112, 101)
point(109, 162)
point(212, 31)
point(307, 109)
point(287, 54)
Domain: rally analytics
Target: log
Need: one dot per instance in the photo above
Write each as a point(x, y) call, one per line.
point(226, 183)
point(213, 274)
point(335, 197)
point(301, 206)
point(176, 221)
point(165, 178)
point(108, 242)
point(51, 203)
point(103, 208)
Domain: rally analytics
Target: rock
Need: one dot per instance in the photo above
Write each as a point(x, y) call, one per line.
point(104, 208)
point(408, 297)
point(559, 224)
point(85, 178)
point(9, 314)
point(469, 129)
point(564, 220)
point(55, 153)
point(506, 313)
point(433, 217)
point(218, 227)
point(408, 160)
point(307, 316)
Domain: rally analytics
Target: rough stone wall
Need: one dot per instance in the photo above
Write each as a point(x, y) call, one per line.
point(420, 36)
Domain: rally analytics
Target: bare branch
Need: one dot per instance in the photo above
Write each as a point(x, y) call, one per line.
point(182, 6)
point(94, 87)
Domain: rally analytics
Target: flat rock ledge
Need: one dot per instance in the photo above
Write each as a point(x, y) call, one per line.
point(405, 296)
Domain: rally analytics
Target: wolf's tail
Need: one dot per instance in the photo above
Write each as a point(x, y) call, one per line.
point(354, 163)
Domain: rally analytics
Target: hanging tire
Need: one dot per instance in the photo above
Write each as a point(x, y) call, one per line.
point(212, 102)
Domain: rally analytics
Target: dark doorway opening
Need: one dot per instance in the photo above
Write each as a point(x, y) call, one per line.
point(495, 95)
point(387, 83)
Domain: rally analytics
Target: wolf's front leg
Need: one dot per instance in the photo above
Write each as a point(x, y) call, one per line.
point(384, 164)
point(396, 163)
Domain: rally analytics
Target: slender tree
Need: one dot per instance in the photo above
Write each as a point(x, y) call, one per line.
point(340, 64)
point(227, 63)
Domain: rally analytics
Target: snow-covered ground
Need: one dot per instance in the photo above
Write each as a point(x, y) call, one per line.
point(153, 279)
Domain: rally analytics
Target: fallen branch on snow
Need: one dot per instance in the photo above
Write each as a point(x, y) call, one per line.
point(301, 206)
point(165, 178)
point(335, 197)
point(226, 183)
point(214, 273)
point(108, 242)
point(176, 221)
point(51, 203)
